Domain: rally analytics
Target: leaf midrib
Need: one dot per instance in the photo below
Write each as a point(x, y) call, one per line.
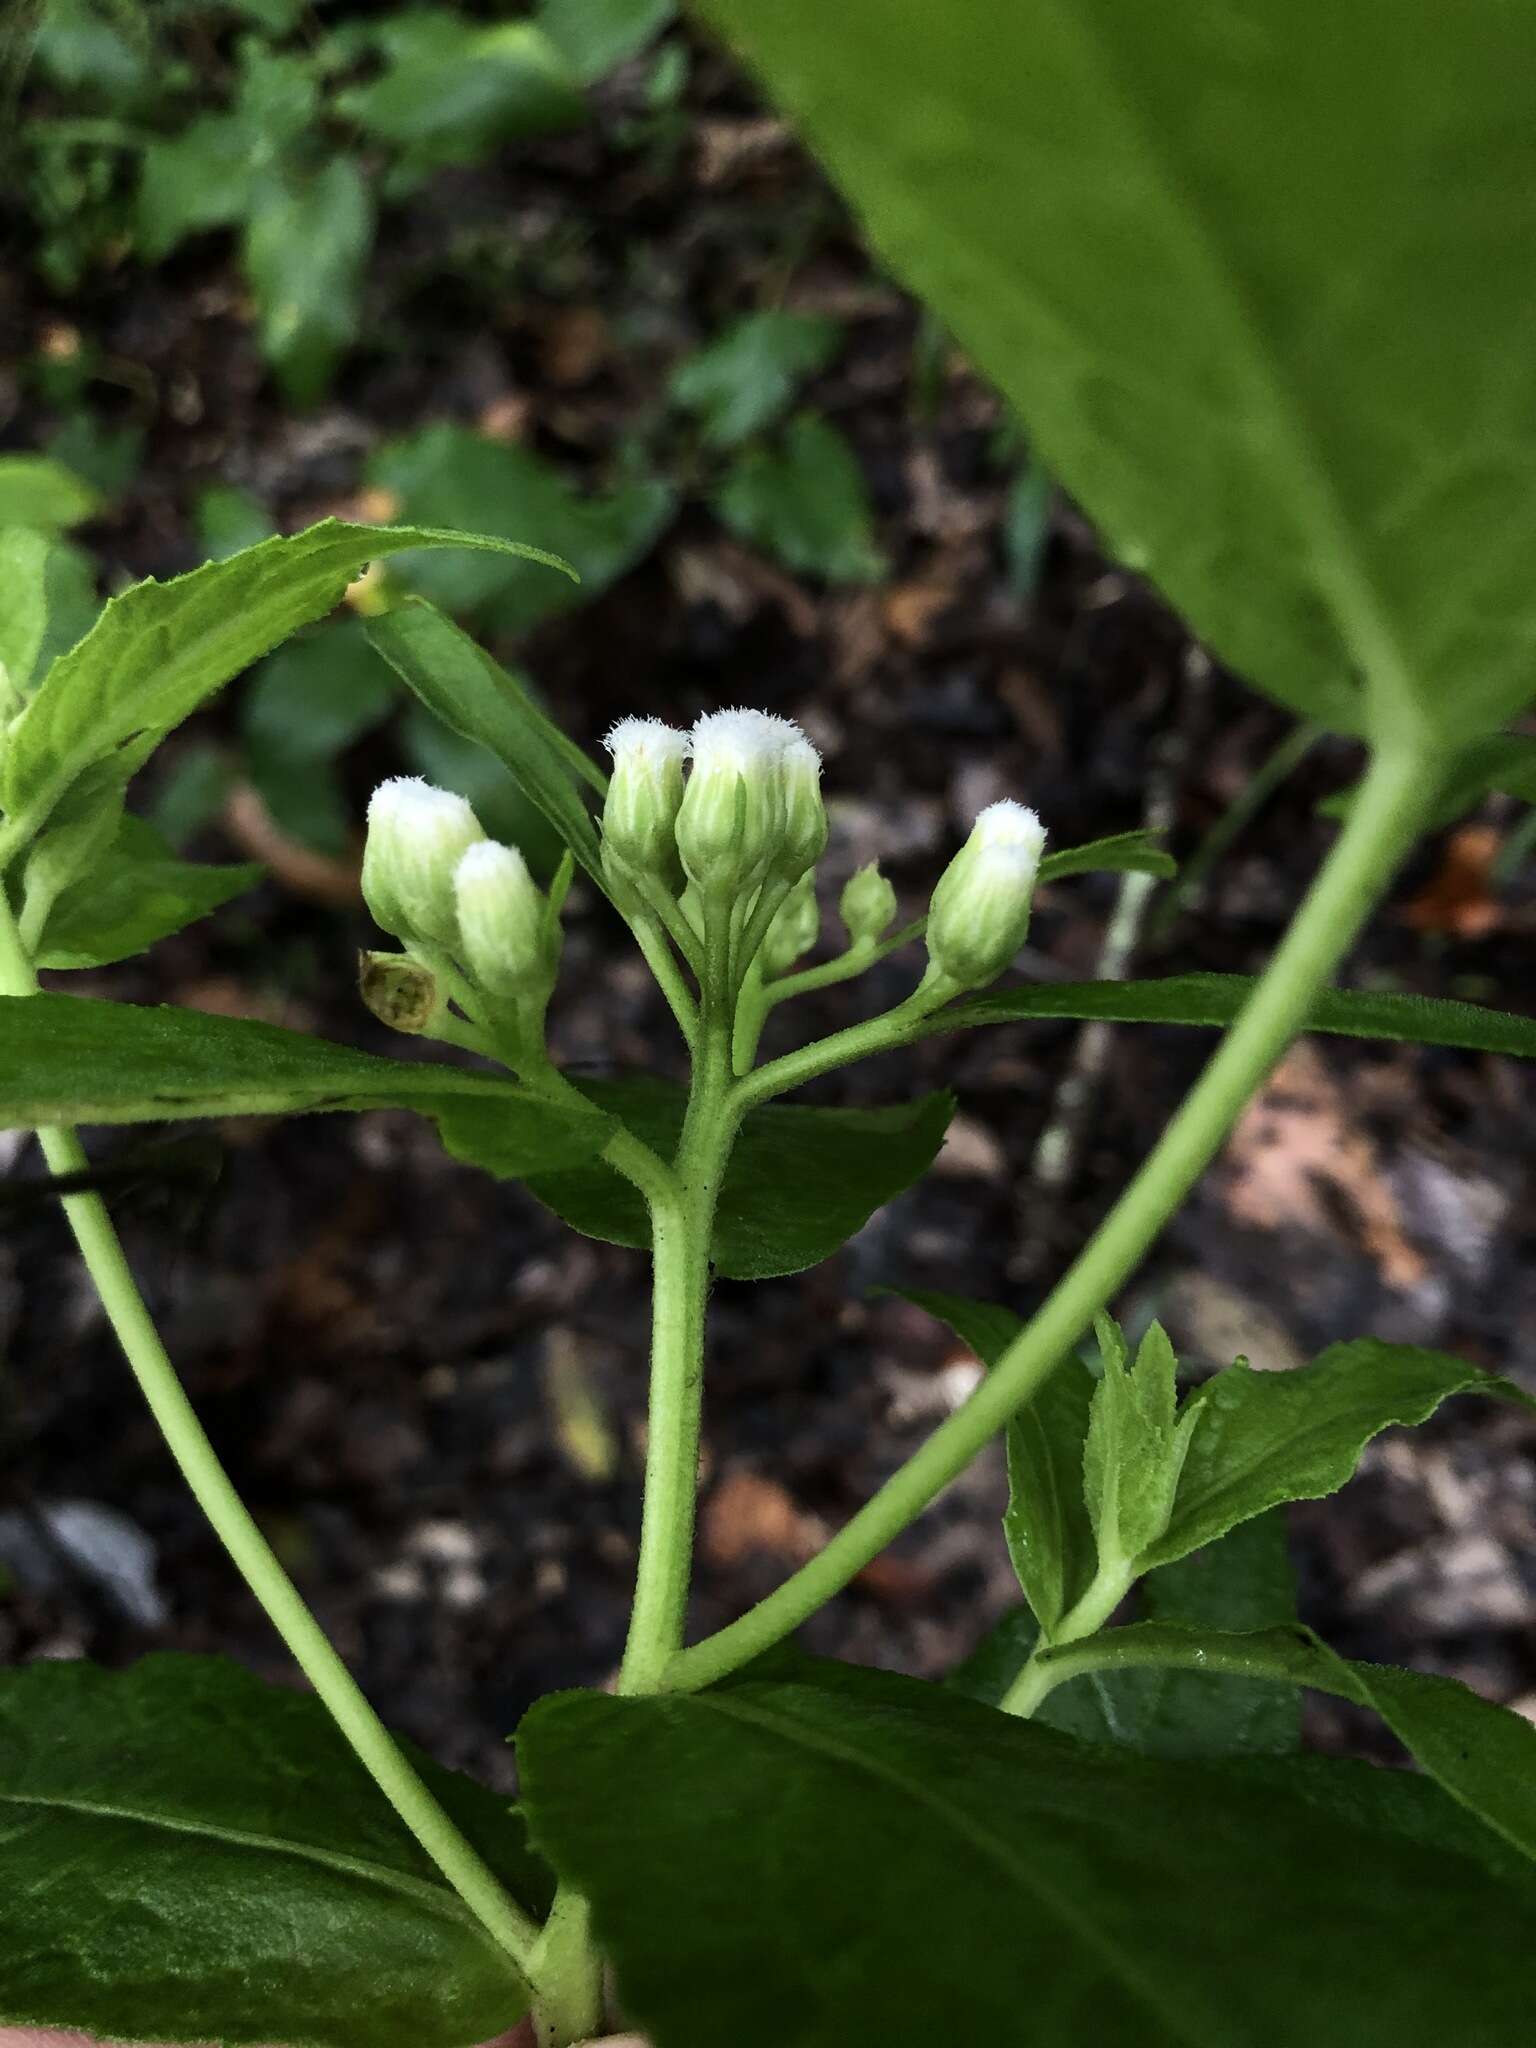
point(435, 1898)
point(996, 1849)
point(1339, 570)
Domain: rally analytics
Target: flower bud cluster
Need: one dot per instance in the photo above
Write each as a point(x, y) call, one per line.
point(433, 878)
point(747, 813)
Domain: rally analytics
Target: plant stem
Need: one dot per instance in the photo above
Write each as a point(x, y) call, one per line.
point(1380, 829)
point(1110, 1585)
point(569, 1971)
point(682, 1226)
point(503, 1919)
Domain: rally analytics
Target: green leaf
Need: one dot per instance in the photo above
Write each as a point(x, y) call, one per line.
point(741, 381)
point(596, 36)
point(803, 500)
point(452, 90)
point(306, 249)
point(800, 1181)
point(474, 696)
point(161, 649)
point(1049, 1534)
point(963, 1874)
point(1136, 1445)
point(136, 895)
point(1216, 999)
point(38, 492)
point(1266, 1437)
point(1482, 1754)
point(24, 556)
point(304, 706)
point(1243, 1582)
point(447, 476)
point(193, 1855)
point(205, 177)
point(1216, 311)
point(72, 1059)
point(1135, 853)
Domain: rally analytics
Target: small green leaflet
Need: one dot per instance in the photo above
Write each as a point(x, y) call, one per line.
point(741, 381)
point(161, 649)
point(73, 1059)
point(1137, 1443)
point(166, 1832)
point(1099, 1894)
point(24, 614)
point(1217, 999)
point(138, 894)
point(802, 499)
point(800, 1181)
point(37, 492)
point(1266, 1437)
point(307, 243)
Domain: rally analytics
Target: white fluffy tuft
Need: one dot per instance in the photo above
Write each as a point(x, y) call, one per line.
point(411, 806)
point(490, 865)
point(648, 740)
point(746, 741)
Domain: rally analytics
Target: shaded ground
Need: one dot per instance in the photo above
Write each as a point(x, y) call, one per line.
point(430, 1392)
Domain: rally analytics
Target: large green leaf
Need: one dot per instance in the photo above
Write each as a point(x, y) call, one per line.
point(1216, 999)
point(1266, 1437)
point(72, 1059)
point(1050, 1537)
point(1256, 279)
point(473, 695)
point(161, 649)
point(800, 1181)
point(191, 1855)
point(137, 894)
point(1482, 1754)
point(884, 1862)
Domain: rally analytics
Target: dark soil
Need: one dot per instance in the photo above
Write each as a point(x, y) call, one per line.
point(431, 1394)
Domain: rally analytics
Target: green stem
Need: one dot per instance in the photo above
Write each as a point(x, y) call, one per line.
point(503, 1919)
point(569, 1972)
point(682, 1226)
point(1380, 829)
point(1287, 1656)
point(1110, 1585)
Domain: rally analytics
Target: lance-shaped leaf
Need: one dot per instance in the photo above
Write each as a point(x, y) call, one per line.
point(1266, 1437)
point(967, 1877)
point(1217, 999)
point(1256, 279)
point(161, 649)
point(477, 698)
point(1123, 853)
point(192, 1855)
point(73, 1059)
point(1049, 1534)
point(800, 1181)
point(24, 614)
point(1136, 1445)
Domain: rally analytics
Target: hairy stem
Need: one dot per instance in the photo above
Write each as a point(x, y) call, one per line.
point(569, 1973)
point(682, 1225)
point(1380, 829)
point(503, 1919)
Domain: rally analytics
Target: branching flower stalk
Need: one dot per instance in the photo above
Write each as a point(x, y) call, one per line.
point(709, 848)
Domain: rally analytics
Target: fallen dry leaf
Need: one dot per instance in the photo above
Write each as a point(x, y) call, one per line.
point(1458, 900)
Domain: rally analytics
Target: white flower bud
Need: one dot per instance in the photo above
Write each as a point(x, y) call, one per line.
point(867, 905)
point(417, 836)
point(730, 826)
point(507, 938)
point(793, 929)
point(644, 793)
point(805, 816)
point(979, 915)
